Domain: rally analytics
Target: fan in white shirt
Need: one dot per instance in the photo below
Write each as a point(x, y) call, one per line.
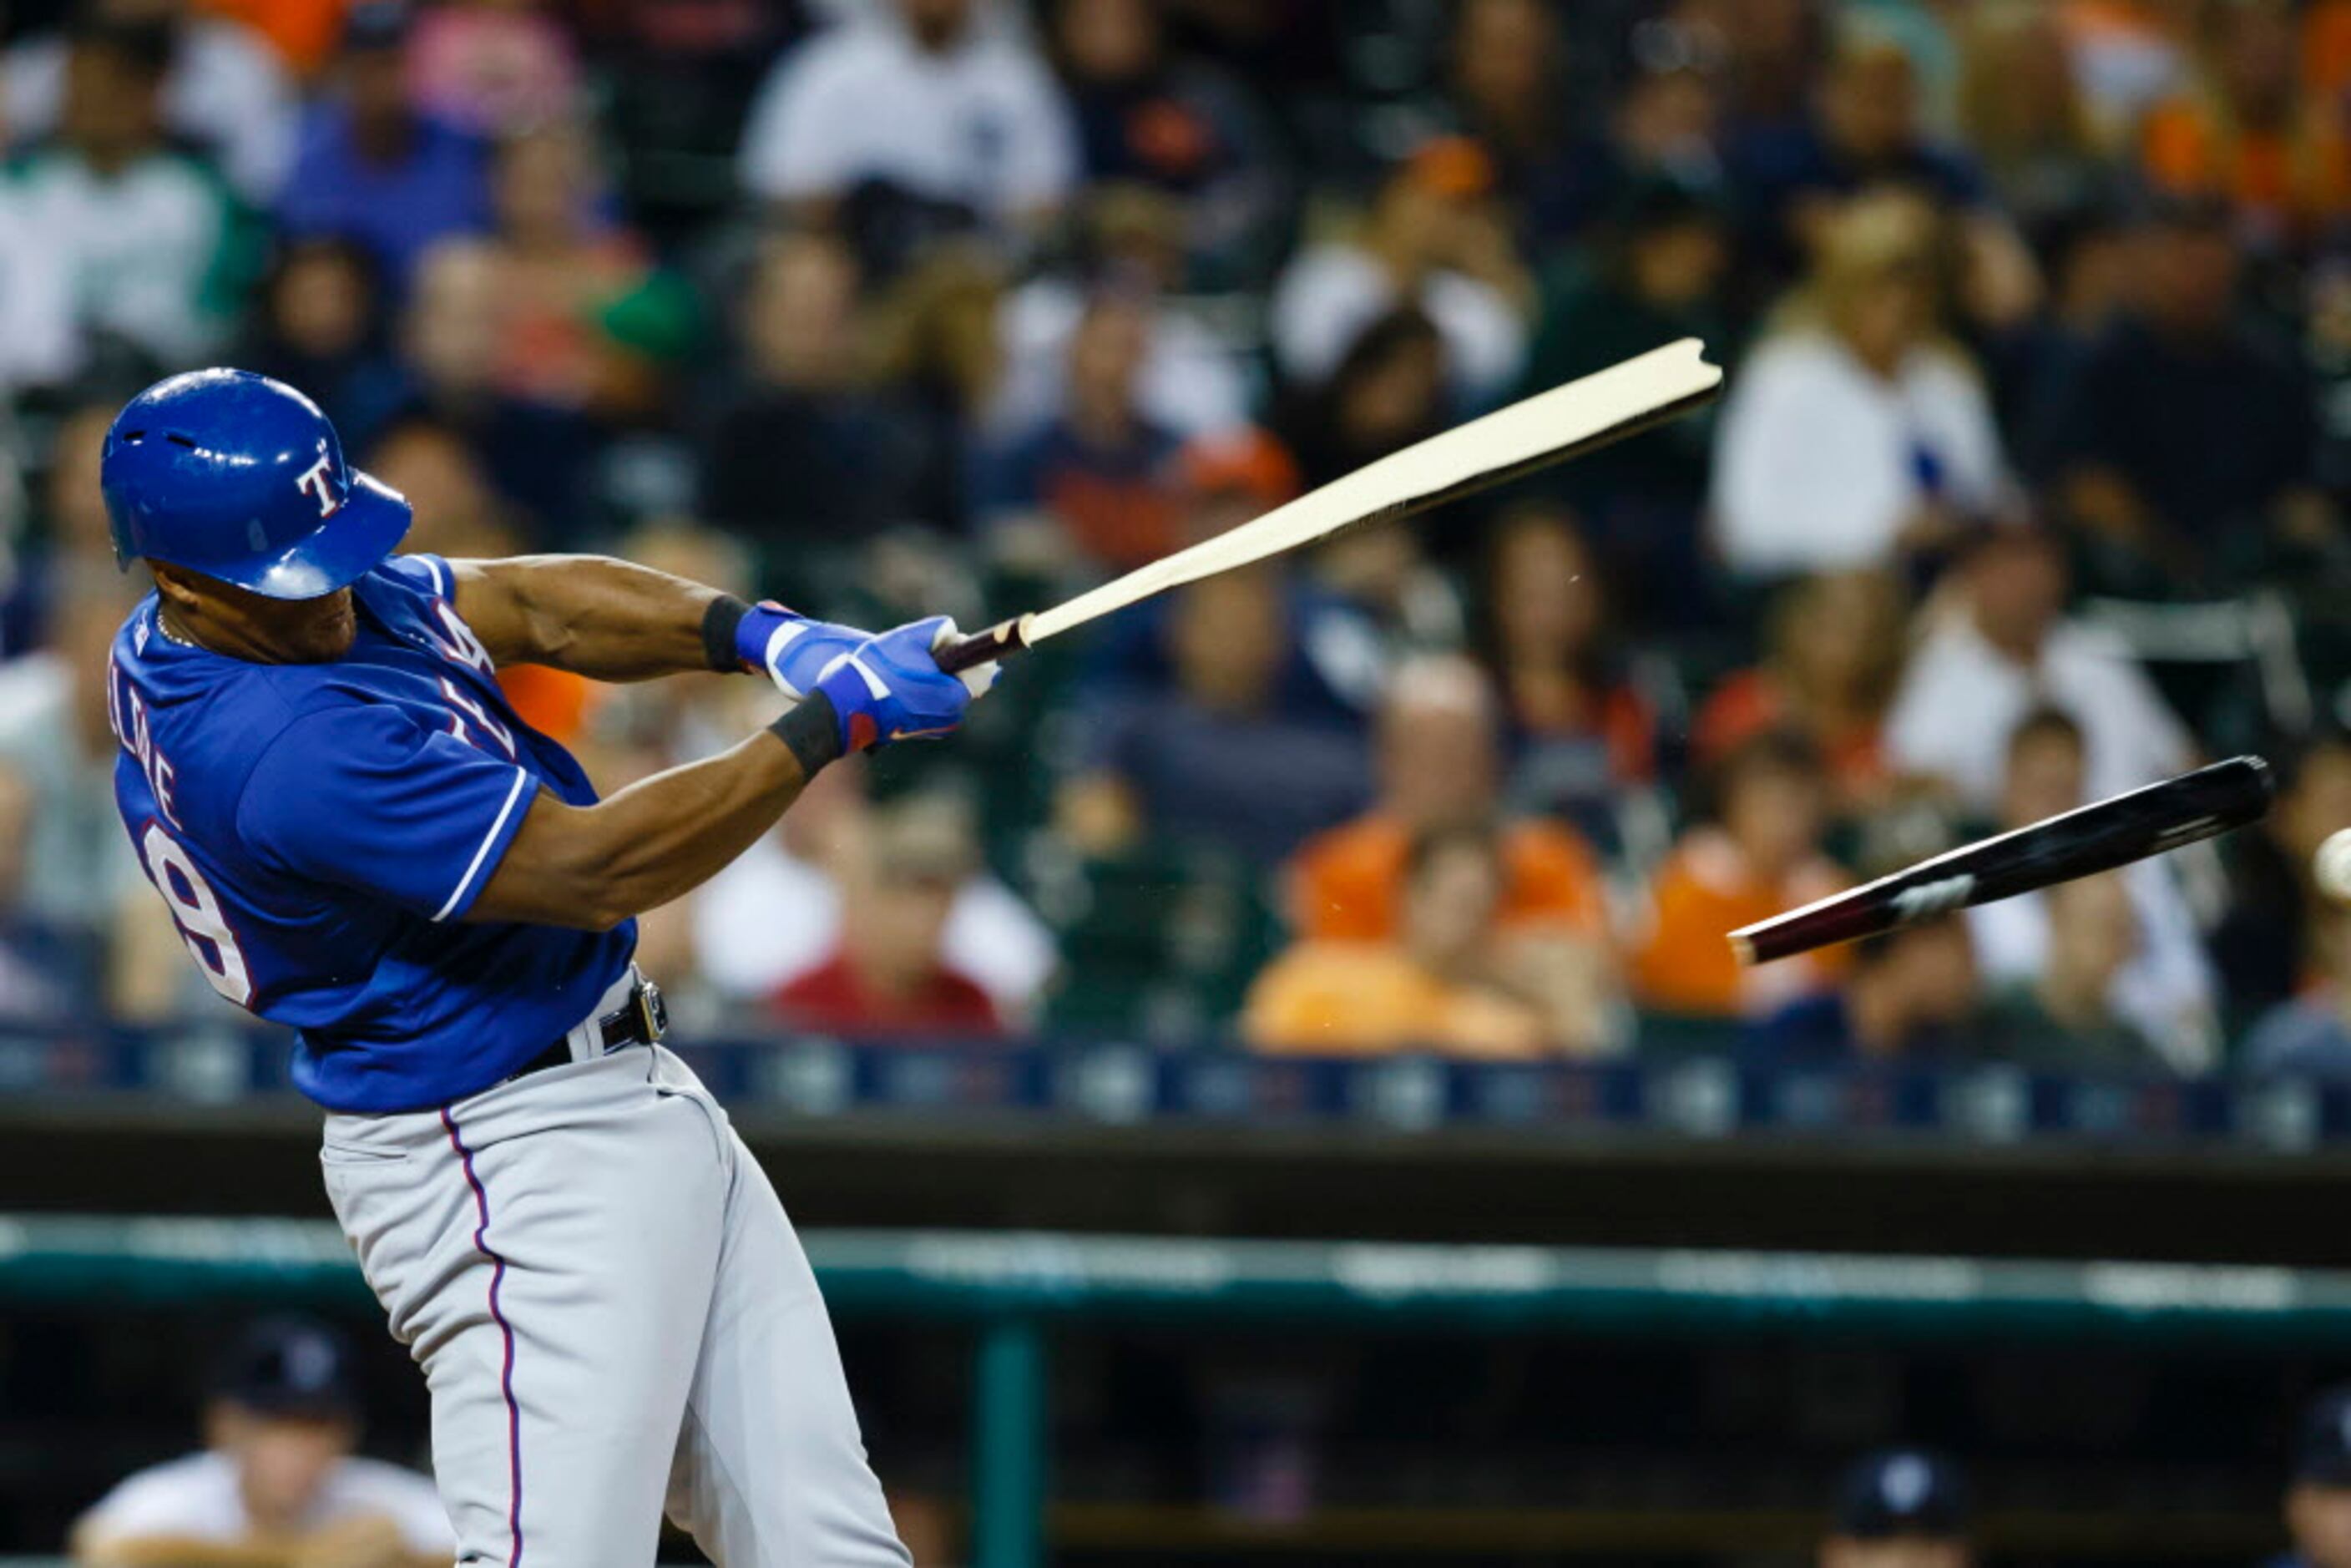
point(929, 99)
point(1853, 432)
point(2002, 647)
point(279, 1487)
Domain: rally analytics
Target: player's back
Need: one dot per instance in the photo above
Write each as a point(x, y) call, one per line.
point(320, 830)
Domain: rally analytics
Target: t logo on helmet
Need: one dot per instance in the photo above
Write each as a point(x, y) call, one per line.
point(314, 483)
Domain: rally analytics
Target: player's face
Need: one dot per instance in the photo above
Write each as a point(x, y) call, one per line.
point(247, 625)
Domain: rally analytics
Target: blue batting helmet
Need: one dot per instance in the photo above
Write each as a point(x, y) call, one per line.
point(242, 478)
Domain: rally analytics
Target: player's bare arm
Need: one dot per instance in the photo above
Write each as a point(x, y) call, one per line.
point(591, 867)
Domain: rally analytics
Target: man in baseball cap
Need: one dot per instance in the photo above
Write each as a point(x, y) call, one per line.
point(1899, 1508)
point(2318, 1498)
point(277, 1477)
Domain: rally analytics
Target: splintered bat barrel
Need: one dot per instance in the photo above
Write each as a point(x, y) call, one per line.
point(2084, 843)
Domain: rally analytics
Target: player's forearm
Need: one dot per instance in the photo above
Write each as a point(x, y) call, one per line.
point(592, 867)
point(608, 620)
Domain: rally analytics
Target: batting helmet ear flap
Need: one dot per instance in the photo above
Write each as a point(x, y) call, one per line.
point(243, 478)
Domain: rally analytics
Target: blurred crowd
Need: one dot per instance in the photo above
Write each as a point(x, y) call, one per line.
point(2029, 487)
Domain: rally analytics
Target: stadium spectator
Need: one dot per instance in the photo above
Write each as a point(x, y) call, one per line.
point(1833, 653)
point(1654, 274)
point(495, 68)
point(1101, 473)
point(147, 235)
point(777, 913)
point(2025, 117)
point(537, 455)
point(277, 1481)
point(1756, 851)
point(1905, 1000)
point(1439, 763)
point(2128, 57)
point(925, 110)
point(1855, 435)
point(2309, 1035)
point(2178, 446)
point(1578, 733)
point(2318, 1495)
point(2063, 1015)
point(558, 272)
point(1899, 1508)
point(67, 872)
point(370, 167)
point(2001, 646)
point(890, 974)
point(1192, 379)
point(1432, 241)
point(2243, 130)
point(1387, 393)
point(321, 324)
point(2158, 982)
point(1176, 124)
point(1864, 129)
point(2265, 945)
point(1447, 980)
point(223, 90)
point(1214, 760)
point(1507, 88)
point(807, 447)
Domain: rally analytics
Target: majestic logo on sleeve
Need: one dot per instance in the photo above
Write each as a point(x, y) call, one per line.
point(318, 483)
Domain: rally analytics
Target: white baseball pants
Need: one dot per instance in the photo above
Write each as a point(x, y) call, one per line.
point(615, 1319)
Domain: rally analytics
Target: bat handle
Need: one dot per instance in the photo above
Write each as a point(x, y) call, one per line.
point(994, 642)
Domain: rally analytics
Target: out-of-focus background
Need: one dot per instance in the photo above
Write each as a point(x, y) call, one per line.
point(1274, 1090)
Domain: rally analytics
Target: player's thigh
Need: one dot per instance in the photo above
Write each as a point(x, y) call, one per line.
point(548, 1280)
point(770, 1402)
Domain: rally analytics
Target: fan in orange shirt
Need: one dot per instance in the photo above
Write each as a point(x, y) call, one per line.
point(1759, 855)
point(2249, 131)
point(1439, 767)
point(1449, 982)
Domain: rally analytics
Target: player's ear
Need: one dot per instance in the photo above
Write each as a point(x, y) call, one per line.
point(173, 585)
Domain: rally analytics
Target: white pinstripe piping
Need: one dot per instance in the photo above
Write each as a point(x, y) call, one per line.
point(489, 838)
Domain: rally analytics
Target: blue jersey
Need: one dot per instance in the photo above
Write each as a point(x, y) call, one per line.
point(319, 831)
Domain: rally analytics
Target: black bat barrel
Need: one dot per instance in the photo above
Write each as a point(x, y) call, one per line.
point(2082, 843)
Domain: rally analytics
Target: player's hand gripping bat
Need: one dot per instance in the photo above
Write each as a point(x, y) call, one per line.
point(1550, 427)
point(2082, 843)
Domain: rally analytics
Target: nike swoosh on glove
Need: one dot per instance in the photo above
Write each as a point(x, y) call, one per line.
point(890, 687)
point(793, 649)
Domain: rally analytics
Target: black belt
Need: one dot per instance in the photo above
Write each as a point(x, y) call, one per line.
point(642, 1020)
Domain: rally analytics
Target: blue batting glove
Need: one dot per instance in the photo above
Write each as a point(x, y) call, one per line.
point(890, 687)
point(792, 649)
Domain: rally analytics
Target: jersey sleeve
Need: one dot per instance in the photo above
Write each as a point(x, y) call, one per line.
point(364, 797)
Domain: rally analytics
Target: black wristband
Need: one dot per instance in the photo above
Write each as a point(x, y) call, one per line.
point(812, 730)
point(718, 624)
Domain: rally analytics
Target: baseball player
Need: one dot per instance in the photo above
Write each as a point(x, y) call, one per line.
point(358, 839)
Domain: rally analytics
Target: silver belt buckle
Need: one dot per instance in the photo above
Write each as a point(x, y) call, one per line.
point(652, 1013)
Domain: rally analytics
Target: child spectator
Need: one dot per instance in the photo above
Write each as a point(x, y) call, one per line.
point(889, 975)
point(1855, 435)
point(1832, 655)
point(1447, 980)
point(1755, 854)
